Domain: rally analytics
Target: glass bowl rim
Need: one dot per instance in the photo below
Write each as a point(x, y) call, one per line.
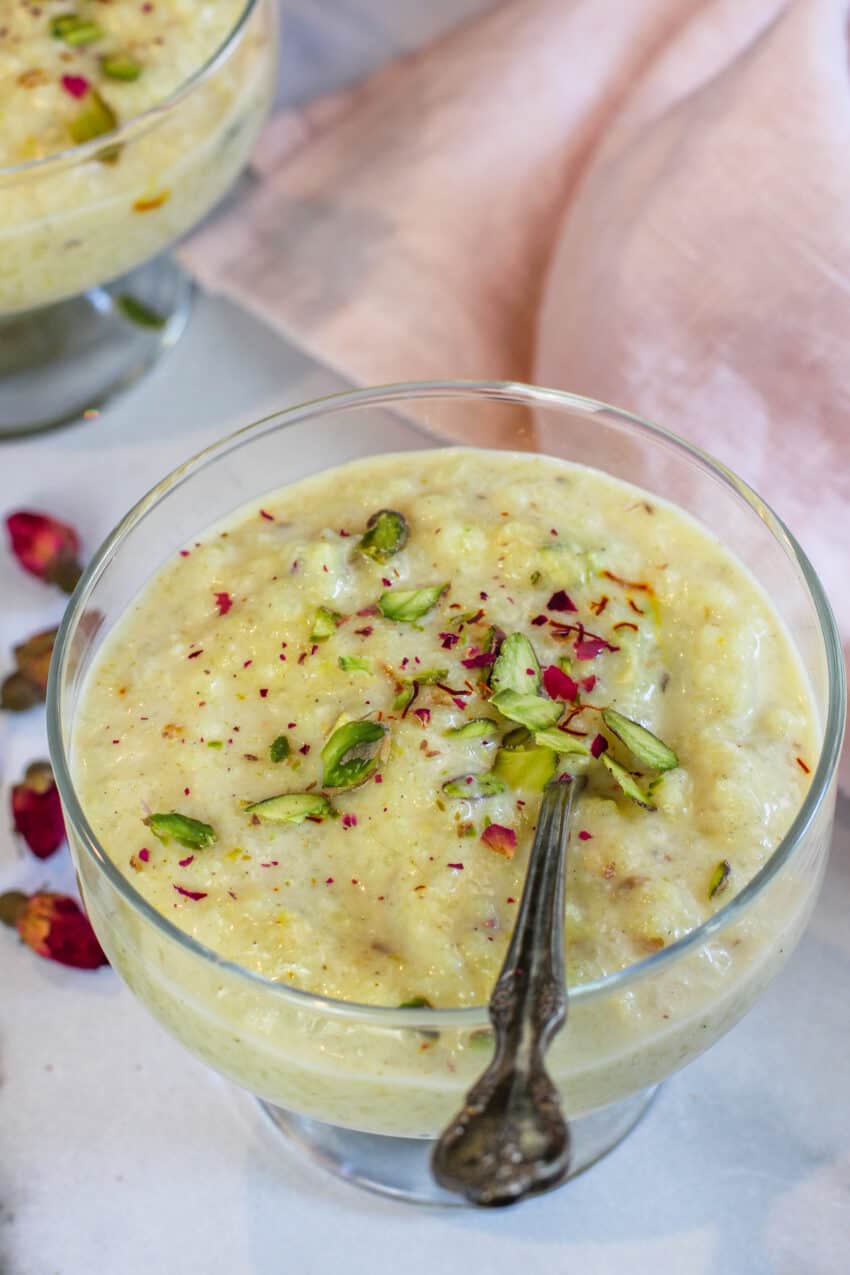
point(82, 152)
point(465, 1017)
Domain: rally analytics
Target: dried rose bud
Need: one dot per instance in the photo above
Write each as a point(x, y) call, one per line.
point(54, 926)
point(37, 811)
point(45, 548)
point(17, 694)
point(27, 686)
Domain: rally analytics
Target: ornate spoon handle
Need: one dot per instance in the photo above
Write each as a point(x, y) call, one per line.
point(510, 1139)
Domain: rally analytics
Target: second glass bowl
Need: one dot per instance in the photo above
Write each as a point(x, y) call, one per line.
point(365, 1089)
point(81, 316)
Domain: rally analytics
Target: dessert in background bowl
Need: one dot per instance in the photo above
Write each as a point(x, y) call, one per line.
point(301, 719)
point(122, 125)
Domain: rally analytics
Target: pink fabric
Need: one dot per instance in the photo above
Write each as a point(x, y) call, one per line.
point(648, 203)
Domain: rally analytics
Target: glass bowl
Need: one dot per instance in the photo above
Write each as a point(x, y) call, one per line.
point(363, 1089)
point(81, 315)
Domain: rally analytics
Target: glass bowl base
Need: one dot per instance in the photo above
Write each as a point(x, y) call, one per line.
point(401, 1167)
point(60, 361)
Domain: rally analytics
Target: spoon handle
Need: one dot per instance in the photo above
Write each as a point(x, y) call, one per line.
point(510, 1139)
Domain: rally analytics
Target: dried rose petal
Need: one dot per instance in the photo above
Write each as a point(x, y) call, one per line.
point(561, 601)
point(76, 85)
point(558, 684)
point(448, 640)
point(587, 648)
point(224, 602)
point(45, 548)
point(599, 746)
point(500, 839)
point(588, 683)
point(190, 894)
point(37, 811)
point(55, 927)
point(482, 660)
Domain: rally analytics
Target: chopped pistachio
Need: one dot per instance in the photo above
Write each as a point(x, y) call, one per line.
point(139, 313)
point(279, 750)
point(121, 66)
point(560, 742)
point(63, 23)
point(626, 782)
point(403, 699)
point(355, 664)
point(187, 832)
point(528, 769)
point(474, 787)
point(517, 668)
point(387, 534)
point(83, 33)
point(535, 577)
point(416, 1002)
point(325, 623)
point(647, 748)
point(292, 807)
point(353, 737)
point(532, 711)
point(408, 605)
point(94, 119)
point(478, 728)
point(719, 878)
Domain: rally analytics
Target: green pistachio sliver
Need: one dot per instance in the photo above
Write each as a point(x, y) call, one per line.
point(387, 535)
point(139, 313)
point(516, 668)
point(647, 748)
point(408, 605)
point(560, 742)
point(626, 782)
point(355, 664)
point(719, 878)
point(325, 623)
point(532, 711)
point(341, 770)
point(403, 698)
point(187, 832)
point(63, 23)
point(279, 750)
point(94, 119)
point(526, 769)
point(478, 728)
point(519, 737)
point(82, 33)
point(474, 787)
point(416, 1002)
point(292, 807)
point(120, 66)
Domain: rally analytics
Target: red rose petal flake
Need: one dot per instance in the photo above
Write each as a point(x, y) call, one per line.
point(459, 703)
point(264, 690)
point(483, 659)
point(584, 835)
point(144, 854)
point(45, 547)
point(76, 85)
point(599, 746)
point(193, 655)
point(37, 811)
point(539, 620)
point(349, 821)
point(55, 927)
point(184, 863)
point(448, 640)
point(224, 602)
point(587, 648)
point(561, 601)
point(424, 715)
point(190, 894)
point(500, 839)
point(558, 684)
point(457, 866)
point(588, 683)
point(265, 514)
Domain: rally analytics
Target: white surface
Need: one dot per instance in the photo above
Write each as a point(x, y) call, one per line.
point(120, 1154)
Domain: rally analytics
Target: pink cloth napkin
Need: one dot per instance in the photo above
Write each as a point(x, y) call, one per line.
point(647, 203)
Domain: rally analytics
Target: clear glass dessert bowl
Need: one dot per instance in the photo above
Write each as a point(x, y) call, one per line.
point(366, 1089)
point(89, 298)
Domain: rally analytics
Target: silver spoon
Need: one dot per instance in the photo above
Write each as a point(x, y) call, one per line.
point(510, 1139)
